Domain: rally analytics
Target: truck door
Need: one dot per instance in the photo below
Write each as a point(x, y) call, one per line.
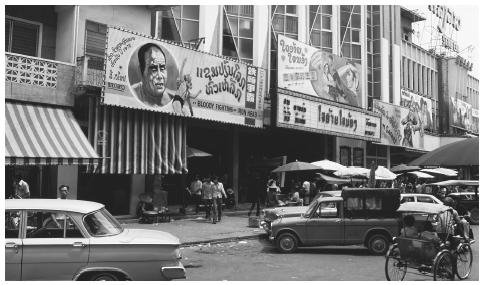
point(326, 226)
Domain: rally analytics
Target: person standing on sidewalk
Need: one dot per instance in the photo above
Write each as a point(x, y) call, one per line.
point(218, 193)
point(306, 192)
point(254, 194)
point(195, 190)
point(207, 191)
point(22, 190)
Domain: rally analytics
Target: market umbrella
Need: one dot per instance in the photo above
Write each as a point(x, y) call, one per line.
point(384, 174)
point(328, 165)
point(461, 153)
point(420, 174)
point(352, 172)
point(193, 152)
point(296, 166)
point(442, 171)
point(404, 168)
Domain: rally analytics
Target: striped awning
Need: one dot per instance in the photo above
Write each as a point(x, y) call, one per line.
point(41, 135)
point(136, 141)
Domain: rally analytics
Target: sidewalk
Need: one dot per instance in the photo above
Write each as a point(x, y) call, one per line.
point(194, 229)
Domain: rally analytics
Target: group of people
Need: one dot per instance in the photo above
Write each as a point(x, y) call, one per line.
point(449, 223)
point(21, 189)
point(211, 192)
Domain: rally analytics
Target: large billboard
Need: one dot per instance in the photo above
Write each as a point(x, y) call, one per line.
point(420, 105)
point(305, 69)
point(317, 115)
point(150, 74)
point(400, 126)
point(461, 113)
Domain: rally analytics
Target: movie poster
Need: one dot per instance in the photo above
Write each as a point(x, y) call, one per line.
point(150, 74)
point(461, 114)
point(306, 69)
point(400, 126)
point(421, 105)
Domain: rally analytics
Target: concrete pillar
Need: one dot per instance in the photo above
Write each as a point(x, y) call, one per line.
point(235, 162)
point(68, 175)
point(136, 188)
point(389, 161)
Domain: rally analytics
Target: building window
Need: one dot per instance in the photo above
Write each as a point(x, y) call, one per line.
point(95, 40)
point(321, 27)
point(179, 24)
point(345, 156)
point(358, 157)
point(238, 32)
point(373, 54)
point(350, 27)
point(22, 37)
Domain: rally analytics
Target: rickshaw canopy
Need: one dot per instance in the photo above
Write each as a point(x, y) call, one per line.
point(428, 208)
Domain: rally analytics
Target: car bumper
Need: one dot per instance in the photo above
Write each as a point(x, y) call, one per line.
point(174, 272)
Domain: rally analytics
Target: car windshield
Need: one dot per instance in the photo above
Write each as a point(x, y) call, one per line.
point(102, 223)
point(311, 208)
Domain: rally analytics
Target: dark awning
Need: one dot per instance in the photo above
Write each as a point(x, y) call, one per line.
point(41, 135)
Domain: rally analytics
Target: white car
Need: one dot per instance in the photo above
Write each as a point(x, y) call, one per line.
point(419, 198)
point(54, 239)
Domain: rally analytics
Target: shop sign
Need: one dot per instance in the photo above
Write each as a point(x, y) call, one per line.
point(400, 126)
point(420, 105)
point(305, 69)
point(155, 75)
point(316, 115)
point(446, 16)
point(461, 113)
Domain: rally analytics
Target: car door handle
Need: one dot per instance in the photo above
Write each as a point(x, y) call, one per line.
point(12, 245)
point(79, 244)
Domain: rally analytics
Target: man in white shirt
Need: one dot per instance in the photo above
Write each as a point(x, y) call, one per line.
point(195, 190)
point(22, 190)
point(306, 191)
point(207, 193)
point(218, 193)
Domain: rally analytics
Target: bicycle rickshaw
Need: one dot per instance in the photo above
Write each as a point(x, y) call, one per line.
point(451, 256)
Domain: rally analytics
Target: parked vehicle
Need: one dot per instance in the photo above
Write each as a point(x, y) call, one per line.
point(55, 239)
point(469, 202)
point(419, 198)
point(445, 258)
point(358, 216)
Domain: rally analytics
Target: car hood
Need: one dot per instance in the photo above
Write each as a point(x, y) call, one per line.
point(274, 213)
point(141, 236)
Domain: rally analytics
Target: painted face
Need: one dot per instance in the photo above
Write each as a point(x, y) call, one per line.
point(155, 73)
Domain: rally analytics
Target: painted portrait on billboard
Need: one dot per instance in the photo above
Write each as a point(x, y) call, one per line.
point(337, 79)
point(461, 113)
point(309, 70)
point(421, 106)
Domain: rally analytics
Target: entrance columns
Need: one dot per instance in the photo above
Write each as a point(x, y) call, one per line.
point(235, 163)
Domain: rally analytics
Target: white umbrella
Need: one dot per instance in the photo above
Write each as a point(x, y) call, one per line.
point(443, 171)
point(421, 174)
point(352, 171)
point(384, 174)
point(328, 165)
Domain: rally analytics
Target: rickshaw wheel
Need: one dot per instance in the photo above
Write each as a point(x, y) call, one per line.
point(395, 268)
point(464, 258)
point(443, 268)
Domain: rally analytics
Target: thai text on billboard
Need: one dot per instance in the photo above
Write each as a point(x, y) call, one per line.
point(316, 115)
point(150, 74)
point(306, 69)
point(400, 126)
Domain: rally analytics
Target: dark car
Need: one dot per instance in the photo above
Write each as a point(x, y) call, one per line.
point(466, 201)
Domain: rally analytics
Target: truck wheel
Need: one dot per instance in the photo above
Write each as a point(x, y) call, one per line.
point(378, 244)
point(287, 243)
point(104, 276)
point(474, 216)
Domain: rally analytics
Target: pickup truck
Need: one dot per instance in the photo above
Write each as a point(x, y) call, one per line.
point(358, 216)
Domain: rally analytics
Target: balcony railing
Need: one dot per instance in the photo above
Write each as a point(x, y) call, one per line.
point(89, 71)
point(31, 70)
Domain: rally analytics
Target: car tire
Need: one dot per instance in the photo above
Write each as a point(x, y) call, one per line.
point(378, 244)
point(104, 276)
point(287, 243)
point(474, 216)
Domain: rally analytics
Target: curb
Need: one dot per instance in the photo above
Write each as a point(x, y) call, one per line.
point(132, 220)
point(224, 240)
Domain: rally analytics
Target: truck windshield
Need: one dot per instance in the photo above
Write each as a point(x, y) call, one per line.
point(102, 223)
point(311, 208)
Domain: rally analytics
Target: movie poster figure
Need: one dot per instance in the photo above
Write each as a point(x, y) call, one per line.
point(411, 124)
point(152, 89)
point(335, 81)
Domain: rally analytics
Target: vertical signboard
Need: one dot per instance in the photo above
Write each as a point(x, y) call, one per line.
point(150, 74)
point(305, 69)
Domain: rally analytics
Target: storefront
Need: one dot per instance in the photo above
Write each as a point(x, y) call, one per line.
point(158, 98)
point(46, 147)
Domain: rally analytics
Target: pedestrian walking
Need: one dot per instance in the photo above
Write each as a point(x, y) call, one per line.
point(195, 190)
point(218, 194)
point(207, 192)
point(306, 192)
point(21, 188)
point(255, 192)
